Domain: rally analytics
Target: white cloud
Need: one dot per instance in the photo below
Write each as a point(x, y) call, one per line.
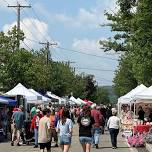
point(33, 29)
point(90, 46)
point(85, 18)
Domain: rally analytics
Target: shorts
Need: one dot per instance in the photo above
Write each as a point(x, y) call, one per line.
point(45, 145)
point(85, 140)
point(65, 140)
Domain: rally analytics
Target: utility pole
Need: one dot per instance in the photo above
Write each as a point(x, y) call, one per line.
point(18, 6)
point(69, 62)
point(47, 46)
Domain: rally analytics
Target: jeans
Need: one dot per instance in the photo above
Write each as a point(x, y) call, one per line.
point(96, 132)
point(65, 140)
point(36, 136)
point(85, 140)
point(113, 135)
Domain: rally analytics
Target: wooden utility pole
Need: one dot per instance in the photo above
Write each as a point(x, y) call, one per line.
point(18, 6)
point(47, 46)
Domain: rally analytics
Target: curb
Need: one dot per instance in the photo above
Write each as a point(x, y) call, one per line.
point(149, 147)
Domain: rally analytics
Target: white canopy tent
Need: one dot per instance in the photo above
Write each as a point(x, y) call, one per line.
point(145, 96)
point(75, 100)
point(126, 99)
point(129, 97)
point(80, 100)
point(23, 91)
point(61, 100)
point(41, 97)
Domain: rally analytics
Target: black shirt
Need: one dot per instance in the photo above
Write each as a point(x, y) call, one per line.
point(85, 126)
point(141, 114)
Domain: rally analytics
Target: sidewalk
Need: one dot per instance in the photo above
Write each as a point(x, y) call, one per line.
point(104, 146)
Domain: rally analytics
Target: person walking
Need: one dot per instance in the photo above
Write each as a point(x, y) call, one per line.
point(54, 119)
point(97, 128)
point(44, 133)
point(113, 125)
point(18, 123)
point(4, 121)
point(65, 128)
point(35, 126)
point(85, 122)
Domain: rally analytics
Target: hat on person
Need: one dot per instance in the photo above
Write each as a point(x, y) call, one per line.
point(93, 106)
point(37, 110)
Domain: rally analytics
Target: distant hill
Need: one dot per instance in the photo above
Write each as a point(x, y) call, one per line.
point(112, 96)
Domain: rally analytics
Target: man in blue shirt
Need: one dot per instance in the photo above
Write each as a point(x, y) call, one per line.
point(18, 122)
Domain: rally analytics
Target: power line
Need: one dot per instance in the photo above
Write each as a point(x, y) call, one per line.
point(95, 69)
point(38, 18)
point(26, 45)
point(34, 25)
point(72, 50)
point(77, 51)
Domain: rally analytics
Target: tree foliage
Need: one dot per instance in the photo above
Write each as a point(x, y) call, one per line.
point(132, 24)
point(31, 69)
point(102, 96)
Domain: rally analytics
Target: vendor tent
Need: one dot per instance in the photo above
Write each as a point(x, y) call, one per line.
point(8, 101)
point(126, 99)
point(75, 100)
point(3, 101)
point(23, 91)
point(80, 100)
point(88, 102)
point(53, 96)
point(145, 95)
point(41, 97)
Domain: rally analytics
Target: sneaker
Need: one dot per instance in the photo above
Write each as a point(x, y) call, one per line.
point(96, 145)
point(18, 144)
point(56, 145)
point(36, 146)
point(12, 143)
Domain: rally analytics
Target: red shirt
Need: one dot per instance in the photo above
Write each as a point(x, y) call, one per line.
point(35, 121)
point(97, 118)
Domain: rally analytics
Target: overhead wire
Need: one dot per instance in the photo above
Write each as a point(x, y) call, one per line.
point(34, 25)
point(89, 54)
point(94, 69)
point(78, 51)
point(22, 22)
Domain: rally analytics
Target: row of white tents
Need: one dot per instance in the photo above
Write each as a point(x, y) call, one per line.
point(34, 97)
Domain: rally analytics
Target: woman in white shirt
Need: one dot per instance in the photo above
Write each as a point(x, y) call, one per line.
point(113, 126)
point(65, 127)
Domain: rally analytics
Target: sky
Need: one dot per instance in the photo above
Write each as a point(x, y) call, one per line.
point(73, 25)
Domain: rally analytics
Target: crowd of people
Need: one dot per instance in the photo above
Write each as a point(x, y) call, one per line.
point(56, 124)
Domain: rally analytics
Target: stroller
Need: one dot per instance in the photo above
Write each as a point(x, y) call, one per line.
point(27, 136)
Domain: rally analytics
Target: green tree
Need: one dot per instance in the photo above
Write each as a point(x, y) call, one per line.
point(142, 43)
point(102, 96)
point(124, 80)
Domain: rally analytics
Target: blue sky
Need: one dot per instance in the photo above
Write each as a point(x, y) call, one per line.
point(73, 24)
